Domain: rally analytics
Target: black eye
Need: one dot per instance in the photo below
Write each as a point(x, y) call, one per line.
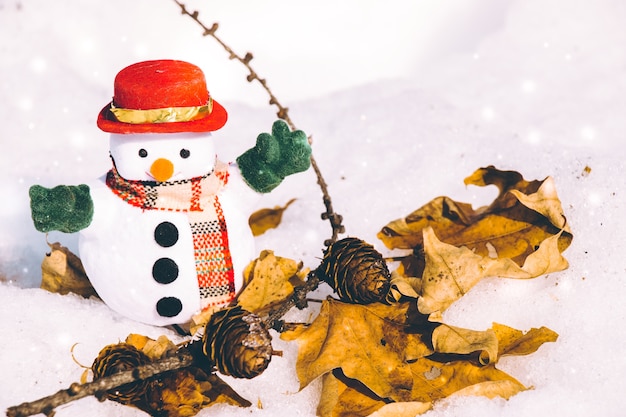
point(143, 153)
point(184, 153)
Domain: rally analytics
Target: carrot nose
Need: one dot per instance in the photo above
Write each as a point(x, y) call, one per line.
point(162, 169)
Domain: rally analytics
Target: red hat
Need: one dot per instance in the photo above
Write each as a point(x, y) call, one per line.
point(163, 96)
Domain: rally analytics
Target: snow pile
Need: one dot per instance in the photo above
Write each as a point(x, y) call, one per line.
point(397, 119)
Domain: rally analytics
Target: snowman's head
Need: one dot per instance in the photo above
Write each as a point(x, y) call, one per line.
point(162, 156)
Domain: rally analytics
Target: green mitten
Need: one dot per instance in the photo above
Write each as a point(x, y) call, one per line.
point(274, 157)
point(66, 208)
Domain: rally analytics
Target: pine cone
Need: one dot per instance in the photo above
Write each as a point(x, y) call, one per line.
point(117, 358)
point(356, 271)
point(237, 342)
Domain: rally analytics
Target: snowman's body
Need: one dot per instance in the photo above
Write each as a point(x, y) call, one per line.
point(165, 235)
point(125, 246)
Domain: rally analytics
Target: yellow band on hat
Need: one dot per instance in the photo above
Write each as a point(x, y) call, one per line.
point(164, 115)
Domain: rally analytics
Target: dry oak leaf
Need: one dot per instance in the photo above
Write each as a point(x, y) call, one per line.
point(264, 219)
point(450, 272)
point(343, 397)
point(408, 409)
point(62, 272)
point(437, 379)
point(372, 355)
point(269, 280)
point(456, 340)
point(523, 215)
point(490, 345)
point(154, 349)
point(515, 342)
point(432, 380)
point(371, 343)
point(185, 392)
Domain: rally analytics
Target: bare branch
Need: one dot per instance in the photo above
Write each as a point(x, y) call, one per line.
point(283, 113)
point(99, 387)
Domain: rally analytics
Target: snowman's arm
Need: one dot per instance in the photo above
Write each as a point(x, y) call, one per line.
point(275, 156)
point(66, 208)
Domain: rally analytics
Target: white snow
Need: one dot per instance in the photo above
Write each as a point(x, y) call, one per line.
point(403, 99)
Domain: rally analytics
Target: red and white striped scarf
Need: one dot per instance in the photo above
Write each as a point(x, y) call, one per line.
point(198, 198)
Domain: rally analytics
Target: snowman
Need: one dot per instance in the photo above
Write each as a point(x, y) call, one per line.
point(164, 234)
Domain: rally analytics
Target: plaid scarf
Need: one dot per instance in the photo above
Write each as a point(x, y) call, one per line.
point(197, 197)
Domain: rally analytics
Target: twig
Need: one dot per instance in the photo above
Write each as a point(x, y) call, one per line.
point(99, 387)
point(298, 299)
point(283, 113)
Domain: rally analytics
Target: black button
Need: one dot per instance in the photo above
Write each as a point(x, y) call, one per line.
point(166, 234)
point(169, 306)
point(164, 271)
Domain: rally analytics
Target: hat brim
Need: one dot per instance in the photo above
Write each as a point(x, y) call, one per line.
point(216, 120)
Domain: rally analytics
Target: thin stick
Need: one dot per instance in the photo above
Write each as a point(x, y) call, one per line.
point(297, 299)
point(283, 113)
point(99, 387)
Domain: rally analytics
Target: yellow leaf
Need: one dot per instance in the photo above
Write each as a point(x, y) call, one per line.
point(370, 343)
point(338, 399)
point(198, 321)
point(513, 226)
point(407, 409)
point(491, 389)
point(371, 355)
point(62, 272)
point(546, 202)
point(435, 379)
point(154, 349)
point(516, 342)
point(137, 340)
point(184, 392)
point(451, 339)
point(262, 220)
point(450, 272)
point(268, 281)
point(343, 397)
point(402, 286)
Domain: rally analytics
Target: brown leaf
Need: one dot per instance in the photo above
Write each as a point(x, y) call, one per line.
point(371, 355)
point(450, 272)
point(522, 216)
point(491, 389)
point(451, 339)
point(62, 272)
point(343, 397)
point(407, 409)
point(262, 220)
point(370, 343)
point(489, 345)
point(198, 321)
point(184, 392)
point(154, 349)
point(516, 342)
point(432, 381)
point(269, 280)
point(435, 380)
